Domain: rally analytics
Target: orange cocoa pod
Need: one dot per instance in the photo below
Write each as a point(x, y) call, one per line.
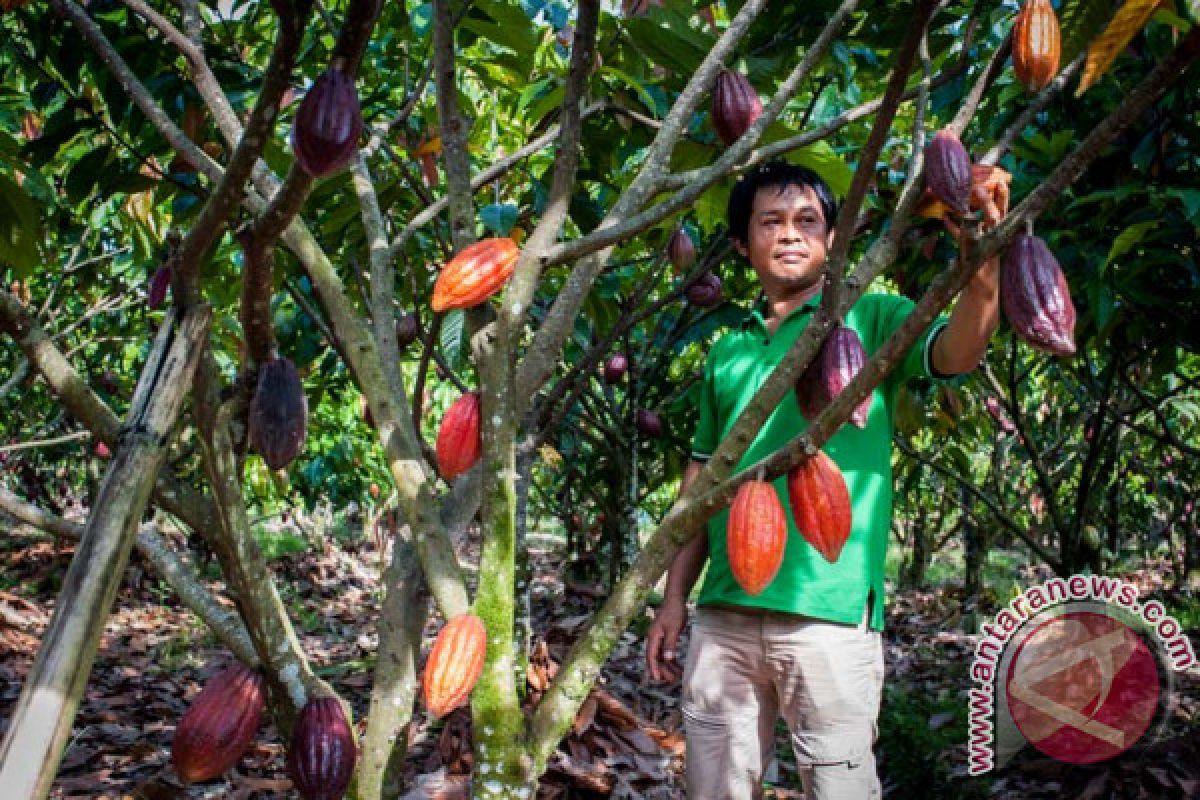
point(1037, 44)
point(458, 441)
point(219, 726)
point(820, 504)
point(475, 274)
point(455, 664)
point(755, 535)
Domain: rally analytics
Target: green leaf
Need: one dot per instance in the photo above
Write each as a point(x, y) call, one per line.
point(667, 47)
point(1080, 21)
point(1190, 199)
point(632, 83)
point(821, 159)
point(499, 218)
point(451, 338)
point(20, 228)
point(505, 25)
point(86, 174)
point(1127, 240)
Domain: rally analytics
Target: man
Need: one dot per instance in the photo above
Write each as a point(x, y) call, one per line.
point(808, 647)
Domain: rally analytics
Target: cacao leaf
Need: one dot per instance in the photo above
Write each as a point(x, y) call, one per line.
point(1127, 240)
point(1103, 50)
point(1080, 21)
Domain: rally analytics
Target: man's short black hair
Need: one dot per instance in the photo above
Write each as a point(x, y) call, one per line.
point(778, 175)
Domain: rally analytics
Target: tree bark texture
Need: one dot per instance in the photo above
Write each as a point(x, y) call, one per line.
point(45, 712)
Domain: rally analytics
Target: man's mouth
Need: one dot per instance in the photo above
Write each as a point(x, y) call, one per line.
point(791, 256)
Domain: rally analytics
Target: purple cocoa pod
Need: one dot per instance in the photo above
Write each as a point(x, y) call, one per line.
point(681, 251)
point(705, 292)
point(948, 170)
point(408, 328)
point(649, 423)
point(278, 413)
point(615, 368)
point(840, 358)
point(159, 283)
point(1035, 297)
point(322, 754)
point(735, 106)
point(328, 124)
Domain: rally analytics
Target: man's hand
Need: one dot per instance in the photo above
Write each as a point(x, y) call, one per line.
point(662, 658)
point(989, 193)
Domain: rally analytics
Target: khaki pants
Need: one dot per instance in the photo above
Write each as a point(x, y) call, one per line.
point(746, 669)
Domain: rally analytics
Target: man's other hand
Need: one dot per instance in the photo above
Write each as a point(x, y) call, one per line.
point(662, 641)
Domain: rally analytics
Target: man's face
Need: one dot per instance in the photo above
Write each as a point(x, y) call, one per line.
point(787, 238)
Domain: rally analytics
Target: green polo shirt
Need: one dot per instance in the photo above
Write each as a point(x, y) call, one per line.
point(737, 366)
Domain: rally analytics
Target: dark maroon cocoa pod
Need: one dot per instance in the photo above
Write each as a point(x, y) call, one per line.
point(840, 358)
point(735, 106)
point(159, 283)
point(648, 423)
point(408, 328)
point(948, 170)
point(328, 124)
point(1035, 296)
point(219, 726)
point(681, 250)
point(322, 753)
point(705, 292)
point(278, 413)
point(615, 368)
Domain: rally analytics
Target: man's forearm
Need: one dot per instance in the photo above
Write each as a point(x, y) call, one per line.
point(685, 569)
point(962, 345)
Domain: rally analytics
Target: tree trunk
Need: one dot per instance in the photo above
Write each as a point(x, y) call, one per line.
point(42, 721)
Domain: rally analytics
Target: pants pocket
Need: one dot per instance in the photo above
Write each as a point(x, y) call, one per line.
point(723, 756)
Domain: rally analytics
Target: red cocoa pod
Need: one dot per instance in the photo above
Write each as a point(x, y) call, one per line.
point(322, 752)
point(681, 250)
point(705, 291)
point(328, 124)
point(820, 505)
point(278, 413)
point(102, 450)
point(408, 328)
point(1035, 296)
point(755, 535)
point(948, 170)
point(475, 274)
point(735, 106)
point(615, 368)
point(840, 358)
point(459, 443)
point(1037, 44)
point(159, 283)
point(455, 664)
point(648, 423)
point(219, 726)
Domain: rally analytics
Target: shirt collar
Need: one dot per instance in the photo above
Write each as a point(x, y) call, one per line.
point(756, 316)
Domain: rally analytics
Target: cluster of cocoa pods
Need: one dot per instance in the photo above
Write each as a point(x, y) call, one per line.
point(1033, 290)
point(756, 529)
point(222, 721)
point(219, 727)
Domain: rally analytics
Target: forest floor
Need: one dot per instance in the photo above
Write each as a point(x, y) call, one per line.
point(627, 741)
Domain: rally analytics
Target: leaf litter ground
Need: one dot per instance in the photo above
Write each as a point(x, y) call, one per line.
point(626, 741)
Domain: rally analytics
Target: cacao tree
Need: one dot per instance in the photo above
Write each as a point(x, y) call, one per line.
point(571, 140)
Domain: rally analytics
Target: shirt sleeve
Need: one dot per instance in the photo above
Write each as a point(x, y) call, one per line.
point(704, 442)
point(919, 358)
